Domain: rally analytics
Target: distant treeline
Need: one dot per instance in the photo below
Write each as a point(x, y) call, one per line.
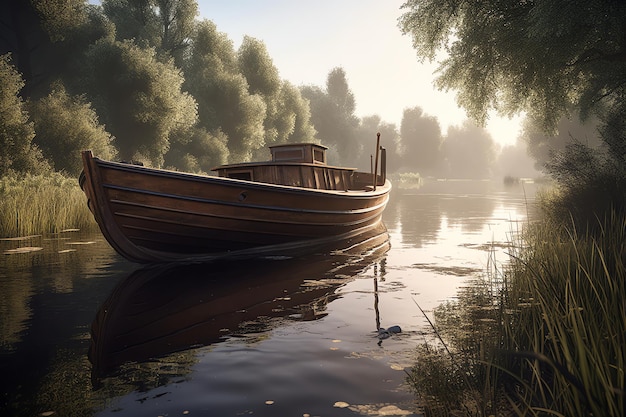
point(147, 80)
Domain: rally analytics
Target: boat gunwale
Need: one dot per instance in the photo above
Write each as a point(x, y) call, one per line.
point(352, 193)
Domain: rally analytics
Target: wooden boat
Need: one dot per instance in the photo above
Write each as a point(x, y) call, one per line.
point(292, 202)
point(161, 309)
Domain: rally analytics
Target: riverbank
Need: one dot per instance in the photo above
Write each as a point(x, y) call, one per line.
point(542, 335)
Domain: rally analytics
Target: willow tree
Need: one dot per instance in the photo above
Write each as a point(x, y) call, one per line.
point(544, 57)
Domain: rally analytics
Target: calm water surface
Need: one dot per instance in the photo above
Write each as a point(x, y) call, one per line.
point(85, 333)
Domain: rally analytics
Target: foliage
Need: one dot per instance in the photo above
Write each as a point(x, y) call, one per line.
point(389, 139)
point(196, 150)
point(263, 80)
point(542, 57)
point(221, 91)
point(543, 147)
point(34, 204)
point(166, 25)
point(138, 97)
point(332, 114)
point(60, 16)
point(67, 125)
point(590, 187)
point(421, 141)
point(17, 150)
point(295, 116)
point(544, 336)
point(469, 151)
point(514, 162)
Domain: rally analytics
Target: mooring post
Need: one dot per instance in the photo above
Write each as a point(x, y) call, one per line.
point(375, 180)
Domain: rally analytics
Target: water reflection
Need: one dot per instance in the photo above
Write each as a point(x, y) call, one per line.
point(157, 311)
point(279, 337)
point(465, 206)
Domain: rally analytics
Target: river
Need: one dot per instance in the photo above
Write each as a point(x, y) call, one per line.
point(84, 332)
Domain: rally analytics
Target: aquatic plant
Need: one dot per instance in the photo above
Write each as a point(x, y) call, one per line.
point(35, 204)
point(543, 335)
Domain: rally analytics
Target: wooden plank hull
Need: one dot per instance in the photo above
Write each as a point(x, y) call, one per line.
point(151, 215)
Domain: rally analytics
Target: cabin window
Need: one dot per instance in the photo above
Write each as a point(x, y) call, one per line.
point(240, 175)
point(290, 154)
point(318, 155)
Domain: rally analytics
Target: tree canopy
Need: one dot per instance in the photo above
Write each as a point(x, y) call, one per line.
point(138, 97)
point(544, 57)
point(17, 150)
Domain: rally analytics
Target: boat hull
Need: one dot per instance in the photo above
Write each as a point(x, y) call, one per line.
point(151, 215)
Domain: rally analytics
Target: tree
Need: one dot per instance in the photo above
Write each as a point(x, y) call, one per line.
point(30, 29)
point(166, 25)
point(514, 161)
point(196, 150)
point(421, 141)
point(389, 139)
point(65, 126)
point(332, 114)
point(294, 116)
point(469, 151)
point(225, 104)
point(542, 57)
point(138, 97)
point(263, 80)
point(542, 147)
point(17, 150)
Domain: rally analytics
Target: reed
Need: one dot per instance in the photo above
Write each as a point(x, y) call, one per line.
point(36, 204)
point(545, 335)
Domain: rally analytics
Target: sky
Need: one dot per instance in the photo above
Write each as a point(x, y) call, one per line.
point(307, 39)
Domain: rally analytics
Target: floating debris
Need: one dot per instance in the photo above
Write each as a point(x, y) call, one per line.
point(386, 333)
point(341, 404)
point(70, 230)
point(67, 250)
point(269, 402)
point(90, 242)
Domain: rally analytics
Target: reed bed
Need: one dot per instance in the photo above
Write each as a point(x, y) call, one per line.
point(544, 336)
point(36, 204)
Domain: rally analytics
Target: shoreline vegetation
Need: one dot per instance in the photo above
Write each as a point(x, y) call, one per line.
point(35, 204)
point(542, 335)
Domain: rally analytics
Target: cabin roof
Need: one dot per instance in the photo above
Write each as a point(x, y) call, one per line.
point(299, 144)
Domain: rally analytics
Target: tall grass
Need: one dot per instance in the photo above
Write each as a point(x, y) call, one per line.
point(36, 204)
point(570, 342)
point(544, 336)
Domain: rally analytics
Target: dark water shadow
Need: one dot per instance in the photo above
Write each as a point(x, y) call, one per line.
point(160, 310)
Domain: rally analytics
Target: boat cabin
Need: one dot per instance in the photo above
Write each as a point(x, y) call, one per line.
point(296, 165)
point(302, 152)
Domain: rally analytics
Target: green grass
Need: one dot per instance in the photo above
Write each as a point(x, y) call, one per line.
point(544, 336)
point(36, 204)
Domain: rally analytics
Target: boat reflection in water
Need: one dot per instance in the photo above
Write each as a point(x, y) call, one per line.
point(159, 310)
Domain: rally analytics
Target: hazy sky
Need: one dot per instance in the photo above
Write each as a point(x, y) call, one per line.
point(307, 39)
